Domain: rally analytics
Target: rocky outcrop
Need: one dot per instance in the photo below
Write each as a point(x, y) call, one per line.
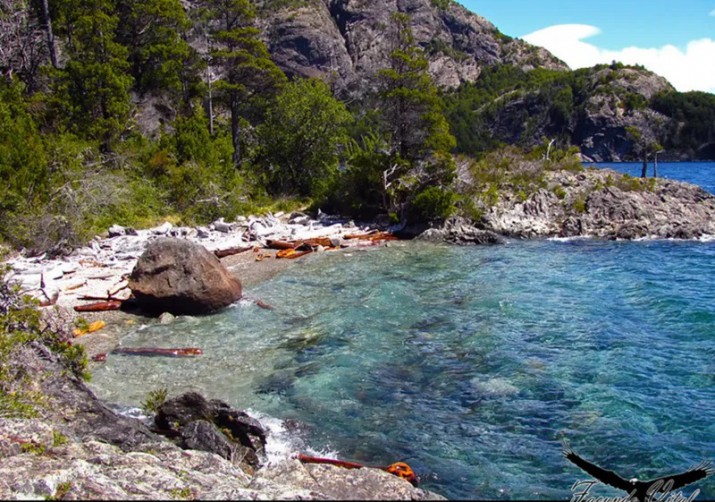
point(605, 112)
point(70, 453)
point(180, 277)
point(196, 423)
point(347, 41)
point(607, 204)
point(459, 231)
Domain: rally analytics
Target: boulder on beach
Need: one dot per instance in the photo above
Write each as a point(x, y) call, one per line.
point(181, 277)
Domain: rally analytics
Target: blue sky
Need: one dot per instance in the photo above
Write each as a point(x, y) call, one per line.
point(674, 38)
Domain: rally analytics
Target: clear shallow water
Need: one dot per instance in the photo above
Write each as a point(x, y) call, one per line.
point(469, 363)
point(698, 173)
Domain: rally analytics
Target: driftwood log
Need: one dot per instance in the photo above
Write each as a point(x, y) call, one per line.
point(99, 306)
point(156, 351)
point(399, 469)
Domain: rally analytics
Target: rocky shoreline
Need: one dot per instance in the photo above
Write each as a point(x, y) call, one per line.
point(80, 448)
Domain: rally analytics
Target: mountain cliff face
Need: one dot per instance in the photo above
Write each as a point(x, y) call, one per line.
point(347, 41)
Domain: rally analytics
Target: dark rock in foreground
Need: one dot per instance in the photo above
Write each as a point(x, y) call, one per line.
point(81, 449)
point(196, 423)
point(181, 277)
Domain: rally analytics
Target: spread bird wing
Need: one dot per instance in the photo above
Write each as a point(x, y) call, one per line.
point(603, 475)
point(696, 473)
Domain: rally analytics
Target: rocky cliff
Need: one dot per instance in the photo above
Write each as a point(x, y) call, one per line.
point(347, 41)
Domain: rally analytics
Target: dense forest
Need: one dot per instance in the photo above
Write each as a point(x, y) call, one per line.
point(73, 158)
point(130, 112)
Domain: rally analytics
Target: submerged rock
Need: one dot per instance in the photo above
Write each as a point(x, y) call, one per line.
point(181, 277)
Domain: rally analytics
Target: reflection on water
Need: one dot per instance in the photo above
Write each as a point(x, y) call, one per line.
point(471, 364)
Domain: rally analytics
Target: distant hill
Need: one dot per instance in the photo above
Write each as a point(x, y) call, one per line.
point(498, 89)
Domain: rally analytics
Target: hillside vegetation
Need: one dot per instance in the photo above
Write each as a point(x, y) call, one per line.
point(129, 112)
point(241, 137)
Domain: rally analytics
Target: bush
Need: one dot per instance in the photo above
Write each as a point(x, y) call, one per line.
point(20, 325)
point(433, 203)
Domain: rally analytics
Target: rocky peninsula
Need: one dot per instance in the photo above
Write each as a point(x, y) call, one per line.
point(79, 447)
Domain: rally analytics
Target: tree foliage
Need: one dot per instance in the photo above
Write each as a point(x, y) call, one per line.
point(301, 137)
point(250, 78)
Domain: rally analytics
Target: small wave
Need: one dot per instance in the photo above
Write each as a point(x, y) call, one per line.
point(284, 442)
point(569, 239)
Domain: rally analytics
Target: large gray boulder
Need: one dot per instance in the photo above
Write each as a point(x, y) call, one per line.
point(181, 277)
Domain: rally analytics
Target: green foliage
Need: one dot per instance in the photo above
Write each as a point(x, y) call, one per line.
point(154, 400)
point(92, 90)
point(433, 203)
point(154, 31)
point(301, 136)
point(23, 164)
point(58, 439)
point(693, 115)
point(20, 325)
point(441, 4)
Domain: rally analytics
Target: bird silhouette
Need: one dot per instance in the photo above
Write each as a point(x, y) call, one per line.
point(642, 490)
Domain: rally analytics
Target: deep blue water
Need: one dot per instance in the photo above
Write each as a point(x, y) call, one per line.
point(470, 363)
point(698, 173)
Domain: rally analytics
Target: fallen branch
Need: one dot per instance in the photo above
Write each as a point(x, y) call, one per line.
point(264, 305)
point(291, 253)
point(222, 253)
point(99, 306)
point(399, 469)
point(155, 351)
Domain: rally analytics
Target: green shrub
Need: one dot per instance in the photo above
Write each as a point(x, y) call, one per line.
point(20, 324)
point(433, 203)
point(154, 400)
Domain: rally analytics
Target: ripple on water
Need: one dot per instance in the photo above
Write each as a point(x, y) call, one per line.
point(472, 364)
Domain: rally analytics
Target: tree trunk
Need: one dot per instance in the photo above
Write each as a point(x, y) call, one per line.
point(655, 167)
point(235, 131)
point(48, 30)
point(644, 172)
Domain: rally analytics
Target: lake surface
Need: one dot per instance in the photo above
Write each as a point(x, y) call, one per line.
point(698, 173)
point(472, 364)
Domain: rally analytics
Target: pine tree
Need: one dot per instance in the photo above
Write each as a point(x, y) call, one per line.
point(154, 31)
point(412, 108)
point(93, 88)
point(418, 180)
point(250, 78)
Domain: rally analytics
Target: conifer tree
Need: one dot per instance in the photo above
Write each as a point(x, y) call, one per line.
point(154, 32)
point(422, 169)
point(250, 78)
point(412, 108)
point(93, 88)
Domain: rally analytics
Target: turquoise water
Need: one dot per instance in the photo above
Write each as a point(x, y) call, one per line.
point(471, 364)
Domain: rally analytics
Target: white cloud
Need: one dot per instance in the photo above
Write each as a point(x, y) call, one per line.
point(689, 70)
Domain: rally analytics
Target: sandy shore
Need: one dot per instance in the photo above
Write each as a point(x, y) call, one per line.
point(100, 269)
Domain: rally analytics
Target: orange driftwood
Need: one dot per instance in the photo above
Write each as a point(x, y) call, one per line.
point(99, 306)
point(272, 244)
point(91, 328)
point(291, 253)
point(399, 469)
point(155, 351)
